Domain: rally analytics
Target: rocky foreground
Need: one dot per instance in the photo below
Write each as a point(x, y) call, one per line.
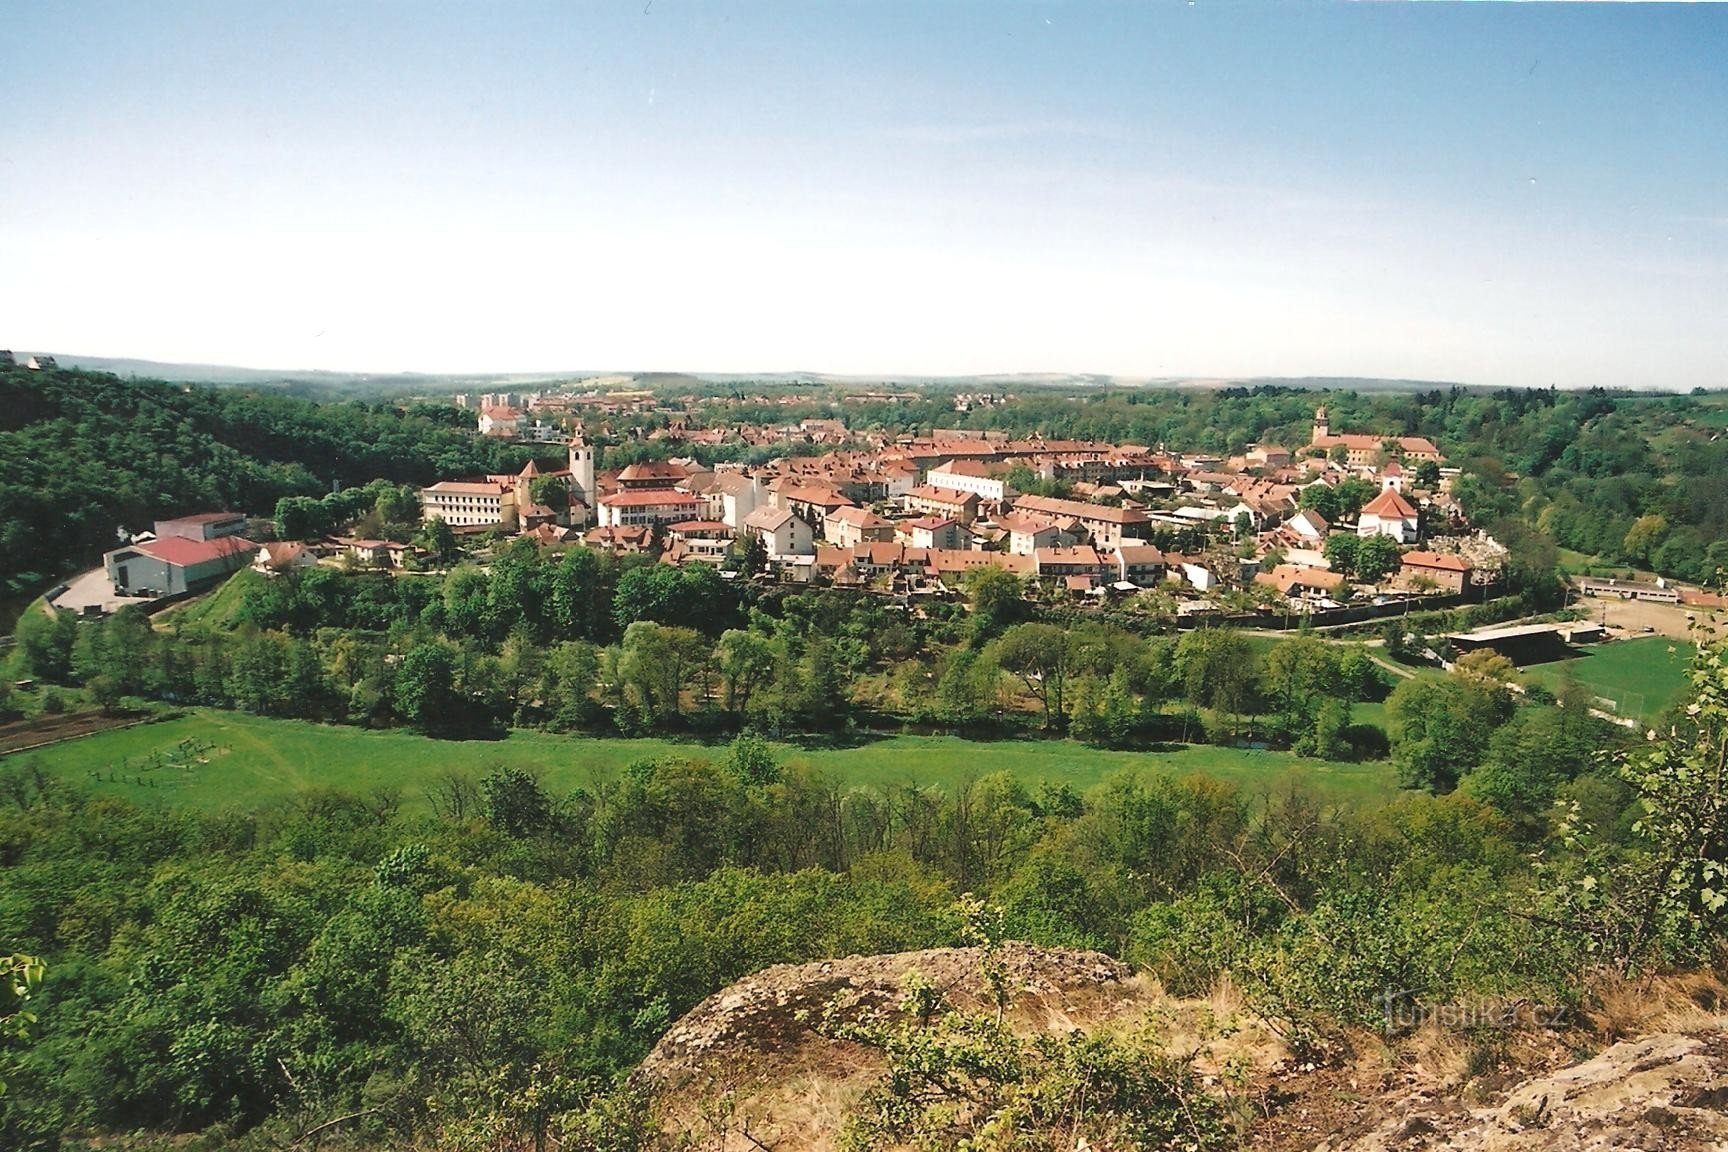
point(746, 1067)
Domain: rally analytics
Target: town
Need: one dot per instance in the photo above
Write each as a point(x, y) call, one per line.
point(1347, 521)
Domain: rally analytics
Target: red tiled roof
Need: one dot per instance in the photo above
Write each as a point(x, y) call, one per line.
point(185, 553)
point(1388, 506)
point(1442, 560)
point(649, 498)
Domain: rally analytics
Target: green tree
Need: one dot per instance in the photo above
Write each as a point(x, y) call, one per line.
point(438, 539)
point(1041, 655)
point(745, 661)
point(996, 598)
point(424, 690)
point(1375, 558)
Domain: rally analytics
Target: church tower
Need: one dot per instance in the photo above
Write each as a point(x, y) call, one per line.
point(582, 469)
point(1322, 429)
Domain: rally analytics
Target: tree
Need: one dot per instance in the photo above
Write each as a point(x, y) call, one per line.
point(655, 664)
point(1645, 537)
point(752, 760)
point(746, 662)
point(397, 504)
point(552, 491)
point(20, 977)
point(515, 803)
point(1340, 550)
point(1041, 656)
point(439, 540)
point(997, 599)
point(1441, 728)
point(1376, 557)
point(1298, 672)
point(1427, 474)
point(425, 686)
point(45, 640)
point(300, 518)
point(1218, 670)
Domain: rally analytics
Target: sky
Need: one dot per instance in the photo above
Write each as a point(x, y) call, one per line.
point(1527, 194)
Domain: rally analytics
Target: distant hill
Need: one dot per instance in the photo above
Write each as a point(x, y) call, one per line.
point(324, 381)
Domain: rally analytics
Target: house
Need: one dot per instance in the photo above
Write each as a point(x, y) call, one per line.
point(705, 540)
point(935, 532)
point(280, 556)
point(1106, 525)
point(1308, 525)
point(367, 553)
point(782, 533)
point(1302, 583)
point(1363, 449)
point(1028, 532)
point(932, 501)
point(499, 421)
point(171, 565)
point(1389, 514)
point(41, 363)
point(1139, 564)
point(849, 527)
point(619, 541)
point(951, 564)
point(1268, 456)
point(647, 507)
point(203, 526)
point(470, 503)
point(1448, 572)
point(1198, 575)
point(1064, 562)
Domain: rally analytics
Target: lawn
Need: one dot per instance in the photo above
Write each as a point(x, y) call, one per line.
point(215, 760)
point(1643, 676)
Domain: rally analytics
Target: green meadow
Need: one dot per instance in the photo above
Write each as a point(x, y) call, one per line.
point(215, 760)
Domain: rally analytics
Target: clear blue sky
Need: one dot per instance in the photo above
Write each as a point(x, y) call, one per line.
point(1525, 194)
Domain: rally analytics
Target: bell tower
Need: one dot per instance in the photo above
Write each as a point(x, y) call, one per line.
point(1322, 429)
point(582, 469)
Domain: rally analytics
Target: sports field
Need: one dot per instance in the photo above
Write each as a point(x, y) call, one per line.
point(1643, 676)
point(216, 760)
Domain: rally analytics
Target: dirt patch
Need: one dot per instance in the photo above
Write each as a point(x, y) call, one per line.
point(1632, 617)
point(26, 735)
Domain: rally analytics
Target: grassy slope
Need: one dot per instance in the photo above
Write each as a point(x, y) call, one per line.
point(256, 761)
point(1644, 676)
point(218, 609)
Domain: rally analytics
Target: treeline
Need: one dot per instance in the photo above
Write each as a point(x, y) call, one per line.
point(83, 454)
point(477, 964)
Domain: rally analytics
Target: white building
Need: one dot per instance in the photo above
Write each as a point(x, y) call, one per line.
point(1389, 514)
point(470, 503)
point(734, 496)
point(783, 534)
point(648, 506)
point(986, 480)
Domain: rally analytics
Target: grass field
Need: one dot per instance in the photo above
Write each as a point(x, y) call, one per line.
point(1643, 676)
point(239, 761)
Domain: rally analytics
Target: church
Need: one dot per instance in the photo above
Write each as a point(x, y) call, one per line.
point(1365, 449)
